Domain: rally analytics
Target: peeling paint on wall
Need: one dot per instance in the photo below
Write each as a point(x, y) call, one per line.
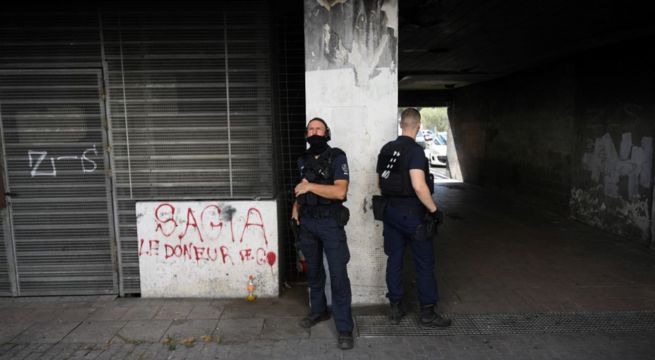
point(625, 218)
point(351, 81)
point(618, 200)
point(360, 34)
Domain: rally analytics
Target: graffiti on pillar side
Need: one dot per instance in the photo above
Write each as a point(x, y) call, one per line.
point(357, 34)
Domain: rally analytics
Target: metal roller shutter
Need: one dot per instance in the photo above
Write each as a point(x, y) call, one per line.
point(190, 105)
point(5, 283)
point(52, 127)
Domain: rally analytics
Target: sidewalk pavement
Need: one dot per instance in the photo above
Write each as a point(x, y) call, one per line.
point(519, 282)
point(133, 328)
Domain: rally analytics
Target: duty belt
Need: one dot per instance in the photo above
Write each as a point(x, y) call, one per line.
point(396, 203)
point(319, 213)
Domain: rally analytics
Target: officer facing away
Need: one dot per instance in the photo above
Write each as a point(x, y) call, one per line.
point(409, 213)
point(320, 212)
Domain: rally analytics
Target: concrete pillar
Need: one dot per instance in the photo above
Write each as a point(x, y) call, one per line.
point(352, 82)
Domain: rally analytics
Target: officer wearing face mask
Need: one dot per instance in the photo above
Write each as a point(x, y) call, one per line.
point(320, 212)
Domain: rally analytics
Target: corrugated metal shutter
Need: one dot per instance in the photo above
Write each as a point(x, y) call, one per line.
point(52, 123)
point(190, 108)
point(55, 39)
point(5, 284)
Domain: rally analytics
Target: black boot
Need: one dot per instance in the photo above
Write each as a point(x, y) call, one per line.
point(430, 317)
point(313, 319)
point(397, 313)
point(345, 341)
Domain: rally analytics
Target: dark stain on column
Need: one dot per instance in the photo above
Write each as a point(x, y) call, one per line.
point(349, 34)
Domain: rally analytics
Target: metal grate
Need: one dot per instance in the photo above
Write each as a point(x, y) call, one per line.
point(189, 99)
point(486, 324)
point(52, 128)
point(290, 117)
point(53, 39)
point(190, 104)
point(5, 283)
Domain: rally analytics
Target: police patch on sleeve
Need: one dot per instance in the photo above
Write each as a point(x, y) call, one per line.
point(344, 168)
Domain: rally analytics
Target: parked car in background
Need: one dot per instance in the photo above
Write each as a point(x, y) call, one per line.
point(420, 139)
point(438, 146)
point(428, 135)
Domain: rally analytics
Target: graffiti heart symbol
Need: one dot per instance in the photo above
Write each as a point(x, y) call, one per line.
point(270, 257)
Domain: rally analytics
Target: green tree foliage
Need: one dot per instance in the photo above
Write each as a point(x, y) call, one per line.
point(433, 118)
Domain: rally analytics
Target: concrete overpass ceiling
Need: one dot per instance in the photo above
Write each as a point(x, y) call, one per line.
point(446, 44)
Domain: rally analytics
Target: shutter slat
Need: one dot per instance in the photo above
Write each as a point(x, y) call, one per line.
point(61, 221)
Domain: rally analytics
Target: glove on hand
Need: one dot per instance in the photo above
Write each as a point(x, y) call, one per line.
point(432, 221)
point(435, 217)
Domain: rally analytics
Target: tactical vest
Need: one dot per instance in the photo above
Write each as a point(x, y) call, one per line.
point(318, 171)
point(393, 170)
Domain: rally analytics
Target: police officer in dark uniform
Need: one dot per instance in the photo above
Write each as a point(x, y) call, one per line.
point(320, 212)
point(410, 212)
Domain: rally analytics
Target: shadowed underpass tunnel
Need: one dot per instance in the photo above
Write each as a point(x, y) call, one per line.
point(507, 267)
point(552, 113)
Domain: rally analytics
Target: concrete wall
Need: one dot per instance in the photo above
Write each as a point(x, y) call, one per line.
point(612, 185)
point(207, 249)
point(517, 133)
point(574, 136)
point(351, 82)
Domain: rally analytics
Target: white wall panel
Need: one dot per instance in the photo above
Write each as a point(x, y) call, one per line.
point(207, 248)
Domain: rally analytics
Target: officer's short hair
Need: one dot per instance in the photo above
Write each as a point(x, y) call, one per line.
point(409, 118)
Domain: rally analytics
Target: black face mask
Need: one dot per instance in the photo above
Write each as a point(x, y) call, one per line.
point(317, 144)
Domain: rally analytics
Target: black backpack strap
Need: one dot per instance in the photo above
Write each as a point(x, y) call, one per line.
point(329, 156)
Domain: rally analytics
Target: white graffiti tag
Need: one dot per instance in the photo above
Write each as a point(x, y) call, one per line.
point(35, 159)
point(86, 159)
point(37, 163)
point(607, 165)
